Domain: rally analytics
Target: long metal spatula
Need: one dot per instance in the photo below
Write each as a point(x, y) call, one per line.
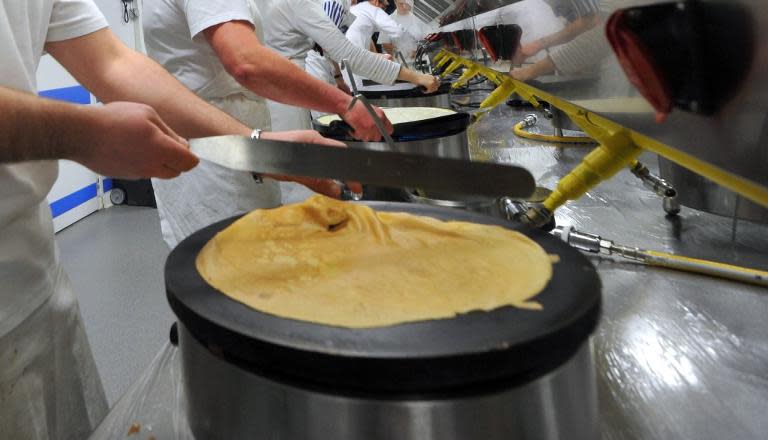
point(381, 168)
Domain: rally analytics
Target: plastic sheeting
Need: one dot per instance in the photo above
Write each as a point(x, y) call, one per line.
point(49, 386)
point(678, 355)
point(154, 407)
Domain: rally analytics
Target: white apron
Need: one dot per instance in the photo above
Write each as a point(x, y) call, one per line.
point(288, 117)
point(49, 385)
point(209, 193)
point(319, 67)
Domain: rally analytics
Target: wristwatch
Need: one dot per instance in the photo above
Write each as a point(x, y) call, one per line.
point(256, 135)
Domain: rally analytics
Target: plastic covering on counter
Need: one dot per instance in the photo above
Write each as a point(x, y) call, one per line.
point(154, 407)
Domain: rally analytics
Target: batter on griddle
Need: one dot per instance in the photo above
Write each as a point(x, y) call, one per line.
point(346, 265)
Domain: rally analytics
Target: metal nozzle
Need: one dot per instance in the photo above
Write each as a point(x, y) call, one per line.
point(512, 209)
point(659, 186)
point(583, 241)
point(653, 182)
point(530, 120)
point(537, 216)
point(596, 244)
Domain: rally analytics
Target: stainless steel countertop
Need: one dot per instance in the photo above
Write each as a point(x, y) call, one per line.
point(678, 355)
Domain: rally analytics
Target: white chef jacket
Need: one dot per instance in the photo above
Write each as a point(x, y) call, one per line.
point(415, 30)
point(370, 19)
point(27, 250)
point(291, 27)
point(49, 387)
point(208, 193)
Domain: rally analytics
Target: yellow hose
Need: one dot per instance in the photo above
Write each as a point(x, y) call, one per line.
point(521, 132)
point(712, 268)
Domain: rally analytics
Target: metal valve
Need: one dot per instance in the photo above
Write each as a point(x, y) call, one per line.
point(659, 186)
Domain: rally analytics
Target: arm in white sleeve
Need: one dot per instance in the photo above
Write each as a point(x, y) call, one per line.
point(387, 26)
point(582, 53)
point(316, 25)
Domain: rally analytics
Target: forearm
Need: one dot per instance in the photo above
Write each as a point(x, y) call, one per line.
point(134, 77)
point(267, 73)
point(272, 76)
point(408, 75)
point(569, 32)
point(113, 72)
point(362, 62)
point(34, 128)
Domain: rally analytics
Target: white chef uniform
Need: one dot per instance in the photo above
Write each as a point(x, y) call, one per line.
point(208, 193)
point(415, 30)
point(370, 19)
point(49, 386)
point(292, 27)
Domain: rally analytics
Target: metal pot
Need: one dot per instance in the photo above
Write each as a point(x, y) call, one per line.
point(229, 402)
point(507, 373)
point(695, 191)
point(406, 95)
point(503, 208)
point(444, 136)
point(487, 206)
point(454, 146)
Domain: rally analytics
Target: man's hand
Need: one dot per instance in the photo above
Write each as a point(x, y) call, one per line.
point(130, 140)
point(429, 82)
point(361, 121)
point(522, 73)
point(526, 51)
point(535, 70)
point(323, 186)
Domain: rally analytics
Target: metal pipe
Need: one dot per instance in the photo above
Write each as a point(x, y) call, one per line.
point(598, 245)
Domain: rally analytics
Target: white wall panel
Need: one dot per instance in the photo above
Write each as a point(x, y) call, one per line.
point(73, 196)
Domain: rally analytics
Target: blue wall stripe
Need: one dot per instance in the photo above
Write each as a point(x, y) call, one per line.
point(74, 200)
point(75, 94)
point(106, 184)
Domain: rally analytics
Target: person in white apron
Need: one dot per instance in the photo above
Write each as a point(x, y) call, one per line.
point(571, 50)
point(415, 30)
point(370, 18)
point(182, 35)
point(49, 386)
point(293, 27)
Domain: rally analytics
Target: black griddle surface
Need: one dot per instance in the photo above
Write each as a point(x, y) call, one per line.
point(397, 91)
point(474, 349)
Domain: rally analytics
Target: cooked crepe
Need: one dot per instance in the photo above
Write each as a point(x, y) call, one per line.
point(343, 264)
point(399, 115)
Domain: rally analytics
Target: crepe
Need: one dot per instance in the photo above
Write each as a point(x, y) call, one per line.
point(346, 265)
point(399, 115)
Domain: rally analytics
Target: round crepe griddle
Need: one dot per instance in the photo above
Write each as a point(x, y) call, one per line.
point(422, 129)
point(400, 90)
point(475, 350)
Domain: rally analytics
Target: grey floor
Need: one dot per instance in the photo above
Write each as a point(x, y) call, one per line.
point(115, 259)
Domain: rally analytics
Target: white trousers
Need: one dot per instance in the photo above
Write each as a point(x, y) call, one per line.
point(49, 385)
point(209, 192)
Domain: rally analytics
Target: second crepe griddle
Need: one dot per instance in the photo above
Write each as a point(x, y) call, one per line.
point(373, 90)
point(406, 131)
